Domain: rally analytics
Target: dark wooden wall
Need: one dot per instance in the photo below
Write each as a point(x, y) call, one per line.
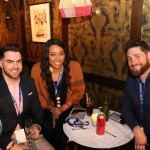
point(11, 26)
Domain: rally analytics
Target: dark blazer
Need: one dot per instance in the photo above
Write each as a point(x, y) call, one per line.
point(131, 105)
point(31, 108)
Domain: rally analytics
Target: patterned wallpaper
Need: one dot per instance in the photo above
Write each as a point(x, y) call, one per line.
point(97, 43)
point(146, 21)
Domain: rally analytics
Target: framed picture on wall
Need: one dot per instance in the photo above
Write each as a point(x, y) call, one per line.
point(41, 22)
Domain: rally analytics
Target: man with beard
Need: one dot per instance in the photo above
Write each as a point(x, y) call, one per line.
point(136, 106)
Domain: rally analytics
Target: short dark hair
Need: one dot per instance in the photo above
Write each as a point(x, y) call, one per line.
point(10, 47)
point(136, 43)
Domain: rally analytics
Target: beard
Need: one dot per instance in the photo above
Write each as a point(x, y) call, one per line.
point(141, 71)
point(11, 75)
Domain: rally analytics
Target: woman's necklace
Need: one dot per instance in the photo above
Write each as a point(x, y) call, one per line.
point(57, 87)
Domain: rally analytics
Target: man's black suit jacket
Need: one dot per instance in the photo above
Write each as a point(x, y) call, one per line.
point(31, 108)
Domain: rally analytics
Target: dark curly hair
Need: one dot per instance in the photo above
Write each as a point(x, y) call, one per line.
point(136, 43)
point(46, 74)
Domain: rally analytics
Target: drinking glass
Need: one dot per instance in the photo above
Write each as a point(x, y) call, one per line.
point(28, 130)
point(1, 127)
point(89, 108)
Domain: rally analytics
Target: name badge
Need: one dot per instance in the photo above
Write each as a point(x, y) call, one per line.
point(20, 136)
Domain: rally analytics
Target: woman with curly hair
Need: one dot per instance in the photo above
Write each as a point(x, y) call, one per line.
point(60, 85)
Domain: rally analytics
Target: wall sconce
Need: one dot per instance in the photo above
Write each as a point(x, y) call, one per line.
point(96, 10)
point(7, 17)
point(75, 8)
point(97, 7)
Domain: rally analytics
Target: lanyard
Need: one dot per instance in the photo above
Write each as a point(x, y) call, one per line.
point(18, 107)
point(141, 92)
point(56, 86)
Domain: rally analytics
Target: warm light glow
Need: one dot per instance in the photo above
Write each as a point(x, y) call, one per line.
point(94, 118)
point(7, 17)
point(73, 1)
point(97, 11)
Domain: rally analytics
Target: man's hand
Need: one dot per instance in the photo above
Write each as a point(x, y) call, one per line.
point(140, 138)
point(35, 131)
point(18, 147)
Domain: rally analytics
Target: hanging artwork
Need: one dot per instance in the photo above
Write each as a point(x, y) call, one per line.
point(40, 15)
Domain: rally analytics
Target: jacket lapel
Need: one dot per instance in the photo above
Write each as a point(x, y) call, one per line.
point(5, 94)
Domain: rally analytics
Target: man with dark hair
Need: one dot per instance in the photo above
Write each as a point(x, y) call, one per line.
point(18, 99)
point(136, 106)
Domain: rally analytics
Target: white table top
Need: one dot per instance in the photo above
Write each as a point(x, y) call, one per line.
point(116, 135)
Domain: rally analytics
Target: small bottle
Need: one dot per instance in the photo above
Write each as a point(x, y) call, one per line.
point(89, 106)
point(101, 123)
point(1, 127)
point(105, 108)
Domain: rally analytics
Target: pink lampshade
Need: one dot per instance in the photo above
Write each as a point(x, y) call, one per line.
point(75, 8)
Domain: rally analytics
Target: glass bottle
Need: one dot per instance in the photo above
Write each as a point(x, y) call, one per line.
point(105, 108)
point(0, 127)
point(89, 106)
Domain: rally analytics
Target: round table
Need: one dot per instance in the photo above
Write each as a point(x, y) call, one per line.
point(116, 134)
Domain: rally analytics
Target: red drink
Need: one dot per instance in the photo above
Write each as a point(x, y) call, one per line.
point(89, 108)
point(89, 105)
point(100, 125)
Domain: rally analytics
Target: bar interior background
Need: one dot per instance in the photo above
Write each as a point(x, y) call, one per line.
point(96, 41)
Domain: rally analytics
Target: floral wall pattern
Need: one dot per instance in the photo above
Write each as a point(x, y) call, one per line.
point(97, 43)
point(146, 21)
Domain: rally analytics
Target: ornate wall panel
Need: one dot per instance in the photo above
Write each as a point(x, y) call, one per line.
point(146, 21)
point(97, 42)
